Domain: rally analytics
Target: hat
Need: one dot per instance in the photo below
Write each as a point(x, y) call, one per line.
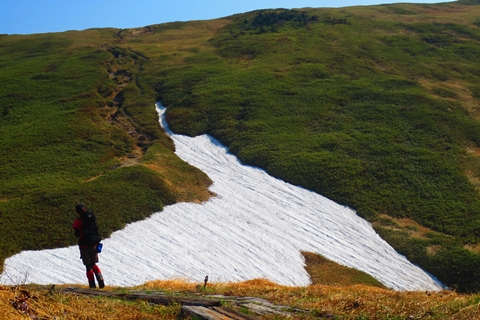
point(79, 207)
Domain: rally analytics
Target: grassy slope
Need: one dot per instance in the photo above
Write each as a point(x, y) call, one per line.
point(374, 107)
point(59, 149)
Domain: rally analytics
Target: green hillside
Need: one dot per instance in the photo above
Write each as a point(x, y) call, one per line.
point(64, 140)
point(374, 107)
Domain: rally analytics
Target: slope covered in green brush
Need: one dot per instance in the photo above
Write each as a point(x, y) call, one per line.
point(374, 107)
point(69, 133)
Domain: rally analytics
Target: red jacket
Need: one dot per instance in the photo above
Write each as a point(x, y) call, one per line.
point(77, 226)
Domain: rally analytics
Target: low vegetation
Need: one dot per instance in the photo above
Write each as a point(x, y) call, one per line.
point(72, 118)
point(374, 107)
point(313, 302)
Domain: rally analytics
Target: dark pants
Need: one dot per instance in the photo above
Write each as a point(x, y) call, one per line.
point(89, 255)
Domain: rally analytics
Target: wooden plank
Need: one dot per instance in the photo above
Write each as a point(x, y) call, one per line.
point(208, 309)
point(262, 309)
point(152, 298)
point(204, 313)
point(93, 292)
point(166, 300)
point(214, 313)
point(233, 314)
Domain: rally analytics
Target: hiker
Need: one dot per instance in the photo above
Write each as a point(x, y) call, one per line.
point(86, 229)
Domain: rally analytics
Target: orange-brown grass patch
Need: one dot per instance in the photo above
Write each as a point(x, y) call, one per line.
point(432, 250)
point(324, 271)
point(179, 43)
point(474, 248)
point(444, 13)
point(186, 182)
point(24, 303)
point(461, 91)
point(472, 171)
point(405, 224)
point(473, 178)
point(474, 151)
point(249, 287)
point(344, 302)
point(192, 192)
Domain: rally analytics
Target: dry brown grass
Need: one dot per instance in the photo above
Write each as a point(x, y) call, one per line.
point(187, 185)
point(344, 302)
point(16, 303)
point(473, 247)
point(451, 12)
point(327, 272)
point(461, 90)
point(178, 44)
point(404, 224)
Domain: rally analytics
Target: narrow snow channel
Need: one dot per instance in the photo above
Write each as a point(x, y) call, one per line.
point(255, 228)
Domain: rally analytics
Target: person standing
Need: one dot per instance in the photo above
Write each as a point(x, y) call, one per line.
point(86, 230)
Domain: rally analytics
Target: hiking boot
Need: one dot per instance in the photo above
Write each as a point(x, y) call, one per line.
point(99, 277)
point(91, 284)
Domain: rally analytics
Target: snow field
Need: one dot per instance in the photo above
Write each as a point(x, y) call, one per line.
point(255, 227)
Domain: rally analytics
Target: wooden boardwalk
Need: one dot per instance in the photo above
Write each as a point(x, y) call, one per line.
point(204, 307)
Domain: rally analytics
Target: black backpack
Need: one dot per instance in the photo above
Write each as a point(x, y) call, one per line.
point(89, 229)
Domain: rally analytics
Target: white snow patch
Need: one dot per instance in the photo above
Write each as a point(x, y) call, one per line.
point(255, 228)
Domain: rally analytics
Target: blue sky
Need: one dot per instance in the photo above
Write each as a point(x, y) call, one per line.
point(41, 16)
